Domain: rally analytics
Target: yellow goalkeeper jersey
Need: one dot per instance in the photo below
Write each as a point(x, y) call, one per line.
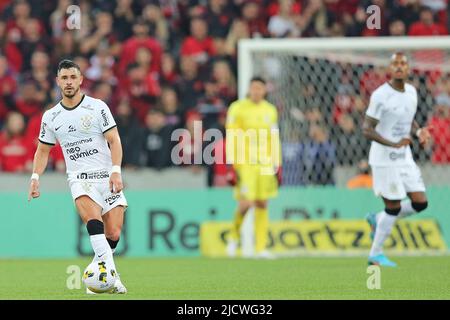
point(252, 135)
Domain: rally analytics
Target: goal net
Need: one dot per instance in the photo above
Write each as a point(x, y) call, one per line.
point(322, 88)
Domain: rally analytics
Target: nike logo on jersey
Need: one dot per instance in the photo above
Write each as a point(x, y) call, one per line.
point(101, 255)
point(56, 129)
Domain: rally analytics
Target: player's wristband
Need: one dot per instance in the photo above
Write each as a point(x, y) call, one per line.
point(34, 176)
point(116, 169)
point(418, 132)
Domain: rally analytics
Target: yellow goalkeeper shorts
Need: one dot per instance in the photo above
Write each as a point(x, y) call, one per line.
point(255, 183)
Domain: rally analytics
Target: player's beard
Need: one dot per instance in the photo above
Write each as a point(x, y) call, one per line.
point(399, 76)
point(399, 79)
point(70, 96)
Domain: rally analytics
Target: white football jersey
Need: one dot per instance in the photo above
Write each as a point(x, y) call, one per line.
point(80, 131)
point(395, 111)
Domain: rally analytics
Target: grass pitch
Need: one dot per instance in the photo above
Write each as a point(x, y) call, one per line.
point(202, 278)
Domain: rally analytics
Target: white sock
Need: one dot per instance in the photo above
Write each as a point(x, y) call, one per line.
point(102, 250)
point(385, 222)
point(406, 209)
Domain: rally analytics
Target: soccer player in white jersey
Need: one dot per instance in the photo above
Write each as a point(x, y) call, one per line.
point(390, 124)
point(84, 127)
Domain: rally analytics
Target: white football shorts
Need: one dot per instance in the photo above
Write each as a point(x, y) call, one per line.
point(98, 190)
point(393, 183)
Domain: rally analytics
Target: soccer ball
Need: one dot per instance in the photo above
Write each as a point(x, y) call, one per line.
point(99, 277)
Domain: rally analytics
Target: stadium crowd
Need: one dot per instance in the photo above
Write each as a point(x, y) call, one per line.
point(164, 64)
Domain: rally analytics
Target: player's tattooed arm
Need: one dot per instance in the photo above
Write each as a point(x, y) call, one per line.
point(39, 164)
point(371, 134)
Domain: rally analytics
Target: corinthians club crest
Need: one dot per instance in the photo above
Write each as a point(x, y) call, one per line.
point(86, 122)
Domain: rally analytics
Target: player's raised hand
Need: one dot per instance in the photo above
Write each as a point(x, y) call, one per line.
point(424, 136)
point(115, 182)
point(34, 189)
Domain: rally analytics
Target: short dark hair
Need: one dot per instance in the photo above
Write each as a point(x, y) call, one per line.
point(425, 9)
point(400, 53)
point(258, 79)
point(67, 64)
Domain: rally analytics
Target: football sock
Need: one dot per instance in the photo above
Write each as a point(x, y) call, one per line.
point(235, 233)
point(406, 209)
point(113, 244)
point(102, 250)
point(385, 222)
point(261, 229)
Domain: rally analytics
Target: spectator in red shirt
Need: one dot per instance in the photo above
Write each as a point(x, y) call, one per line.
point(340, 7)
point(140, 39)
point(198, 45)
point(9, 49)
point(440, 124)
point(144, 59)
point(169, 74)
point(426, 25)
point(21, 15)
point(15, 151)
point(7, 89)
point(142, 90)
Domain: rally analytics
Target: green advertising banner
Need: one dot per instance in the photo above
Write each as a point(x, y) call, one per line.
point(167, 222)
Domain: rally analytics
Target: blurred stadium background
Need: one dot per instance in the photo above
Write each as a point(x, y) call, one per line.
point(162, 65)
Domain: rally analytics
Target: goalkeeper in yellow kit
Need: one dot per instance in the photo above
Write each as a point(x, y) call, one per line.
point(254, 153)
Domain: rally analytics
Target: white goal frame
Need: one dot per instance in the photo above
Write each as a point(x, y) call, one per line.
point(302, 45)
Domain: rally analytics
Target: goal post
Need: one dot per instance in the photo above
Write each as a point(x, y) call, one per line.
point(322, 86)
point(247, 47)
point(321, 79)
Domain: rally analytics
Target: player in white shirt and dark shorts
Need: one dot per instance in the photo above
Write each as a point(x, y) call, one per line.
point(87, 133)
point(389, 124)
